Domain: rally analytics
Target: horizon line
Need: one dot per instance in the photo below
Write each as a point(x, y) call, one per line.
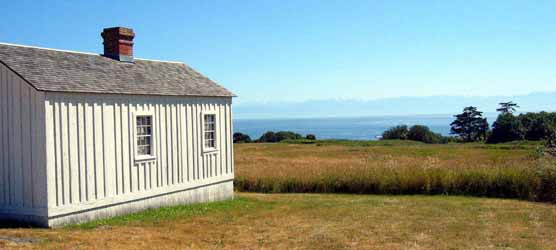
point(393, 97)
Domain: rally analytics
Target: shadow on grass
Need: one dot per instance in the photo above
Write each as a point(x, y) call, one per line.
point(158, 215)
point(12, 224)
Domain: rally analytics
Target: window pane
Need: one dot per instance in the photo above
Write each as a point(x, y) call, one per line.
point(140, 141)
point(147, 150)
point(148, 140)
point(142, 150)
point(208, 118)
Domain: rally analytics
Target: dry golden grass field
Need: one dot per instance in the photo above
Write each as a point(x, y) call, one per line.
point(397, 167)
point(343, 221)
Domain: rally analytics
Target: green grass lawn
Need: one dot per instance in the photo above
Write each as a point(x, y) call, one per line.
point(315, 221)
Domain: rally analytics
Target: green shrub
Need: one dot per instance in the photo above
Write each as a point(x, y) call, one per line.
point(279, 136)
point(424, 134)
point(311, 137)
point(268, 137)
point(287, 135)
point(415, 133)
point(396, 133)
point(241, 138)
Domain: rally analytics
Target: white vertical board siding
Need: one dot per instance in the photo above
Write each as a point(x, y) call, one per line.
point(91, 143)
point(22, 146)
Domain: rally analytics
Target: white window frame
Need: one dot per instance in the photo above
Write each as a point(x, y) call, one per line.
point(139, 157)
point(216, 135)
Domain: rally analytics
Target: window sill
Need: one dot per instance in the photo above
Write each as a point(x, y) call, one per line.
point(145, 158)
point(210, 150)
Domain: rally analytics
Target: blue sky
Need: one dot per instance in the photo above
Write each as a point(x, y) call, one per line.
point(284, 51)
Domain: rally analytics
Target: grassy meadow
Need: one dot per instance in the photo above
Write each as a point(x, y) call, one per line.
point(513, 170)
point(318, 207)
point(402, 217)
point(312, 221)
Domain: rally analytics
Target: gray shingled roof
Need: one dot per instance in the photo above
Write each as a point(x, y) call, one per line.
point(64, 71)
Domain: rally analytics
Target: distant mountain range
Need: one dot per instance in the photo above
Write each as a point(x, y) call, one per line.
point(432, 105)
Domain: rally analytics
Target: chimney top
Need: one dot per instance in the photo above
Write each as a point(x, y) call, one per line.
point(118, 43)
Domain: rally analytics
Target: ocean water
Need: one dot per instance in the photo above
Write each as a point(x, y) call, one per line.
point(356, 128)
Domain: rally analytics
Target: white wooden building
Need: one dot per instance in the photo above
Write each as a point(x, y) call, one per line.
point(86, 136)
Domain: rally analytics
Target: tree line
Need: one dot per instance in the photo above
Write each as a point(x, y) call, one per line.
point(533, 126)
point(471, 126)
point(468, 126)
point(271, 137)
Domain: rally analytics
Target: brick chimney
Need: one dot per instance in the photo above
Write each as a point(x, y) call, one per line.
point(118, 43)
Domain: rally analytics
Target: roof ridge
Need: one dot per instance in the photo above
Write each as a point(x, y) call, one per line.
point(59, 50)
point(154, 60)
point(80, 52)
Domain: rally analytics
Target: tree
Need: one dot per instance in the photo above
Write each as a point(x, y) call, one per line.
point(311, 137)
point(507, 107)
point(241, 138)
point(470, 125)
point(507, 127)
point(396, 133)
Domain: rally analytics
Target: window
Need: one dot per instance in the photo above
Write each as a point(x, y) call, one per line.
point(144, 135)
point(210, 131)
